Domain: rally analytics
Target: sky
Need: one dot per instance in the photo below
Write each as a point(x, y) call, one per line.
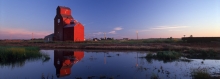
point(117, 18)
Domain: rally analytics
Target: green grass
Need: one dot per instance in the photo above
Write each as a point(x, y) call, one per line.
point(18, 54)
point(168, 55)
point(164, 55)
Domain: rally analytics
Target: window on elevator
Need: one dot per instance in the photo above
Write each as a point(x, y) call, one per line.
point(58, 20)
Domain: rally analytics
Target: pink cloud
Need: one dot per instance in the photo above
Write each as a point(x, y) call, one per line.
point(12, 33)
point(169, 27)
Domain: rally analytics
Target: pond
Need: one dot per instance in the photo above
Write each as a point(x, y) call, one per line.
point(92, 64)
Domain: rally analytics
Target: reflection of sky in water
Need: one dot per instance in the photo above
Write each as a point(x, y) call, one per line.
point(110, 64)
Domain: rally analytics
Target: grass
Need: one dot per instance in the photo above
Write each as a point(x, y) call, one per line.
point(164, 55)
point(10, 54)
point(168, 55)
point(200, 73)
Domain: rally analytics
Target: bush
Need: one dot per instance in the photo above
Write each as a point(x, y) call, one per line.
point(168, 55)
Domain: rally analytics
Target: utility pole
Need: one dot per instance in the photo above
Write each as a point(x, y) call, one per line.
point(11, 37)
point(32, 36)
point(137, 34)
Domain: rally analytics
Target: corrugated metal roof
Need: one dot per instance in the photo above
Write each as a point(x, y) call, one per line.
point(51, 35)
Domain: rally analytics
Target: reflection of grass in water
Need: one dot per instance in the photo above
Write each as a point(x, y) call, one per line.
point(12, 55)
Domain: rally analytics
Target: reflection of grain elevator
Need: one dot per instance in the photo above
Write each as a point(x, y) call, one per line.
point(64, 60)
point(66, 28)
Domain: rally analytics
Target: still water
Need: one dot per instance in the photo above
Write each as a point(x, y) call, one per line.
point(72, 64)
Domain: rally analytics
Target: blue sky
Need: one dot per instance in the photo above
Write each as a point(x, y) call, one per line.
point(117, 18)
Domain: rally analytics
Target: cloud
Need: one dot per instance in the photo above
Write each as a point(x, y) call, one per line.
point(13, 33)
point(112, 32)
point(98, 33)
point(174, 30)
point(169, 27)
point(118, 28)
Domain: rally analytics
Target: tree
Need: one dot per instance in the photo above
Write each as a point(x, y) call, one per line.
point(102, 38)
point(170, 38)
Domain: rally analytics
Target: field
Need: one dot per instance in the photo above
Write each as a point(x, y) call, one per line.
point(145, 44)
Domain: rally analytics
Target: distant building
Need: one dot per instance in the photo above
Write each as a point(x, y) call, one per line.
point(200, 39)
point(96, 39)
point(66, 28)
point(106, 38)
point(125, 38)
point(49, 38)
point(110, 39)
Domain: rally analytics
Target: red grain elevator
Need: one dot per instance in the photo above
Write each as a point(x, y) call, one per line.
point(66, 28)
